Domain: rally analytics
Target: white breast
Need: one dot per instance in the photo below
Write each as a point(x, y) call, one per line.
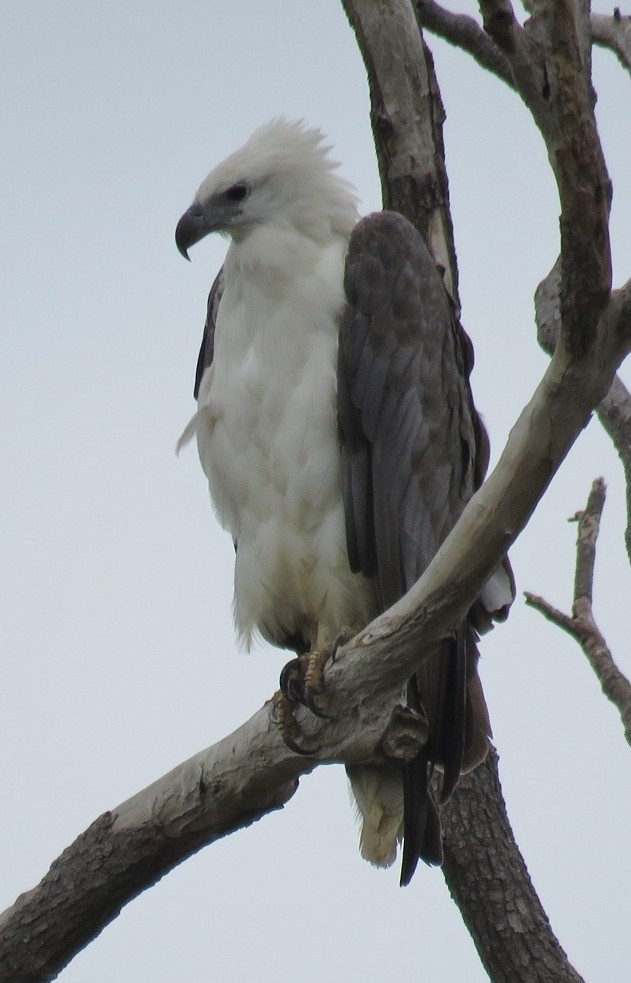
point(267, 439)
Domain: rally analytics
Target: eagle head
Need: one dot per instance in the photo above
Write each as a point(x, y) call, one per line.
point(282, 176)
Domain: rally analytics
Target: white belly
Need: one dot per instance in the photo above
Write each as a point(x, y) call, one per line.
point(267, 438)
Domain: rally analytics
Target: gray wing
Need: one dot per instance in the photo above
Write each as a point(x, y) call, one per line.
point(413, 451)
point(207, 349)
point(407, 420)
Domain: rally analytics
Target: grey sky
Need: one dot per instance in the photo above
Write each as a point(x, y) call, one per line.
point(118, 655)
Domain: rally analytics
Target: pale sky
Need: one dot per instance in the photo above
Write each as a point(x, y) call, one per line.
point(119, 659)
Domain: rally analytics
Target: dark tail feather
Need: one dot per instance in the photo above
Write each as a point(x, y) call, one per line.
point(439, 690)
point(421, 823)
point(452, 735)
point(415, 796)
point(422, 839)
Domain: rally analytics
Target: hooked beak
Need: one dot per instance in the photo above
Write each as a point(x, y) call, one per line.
point(192, 227)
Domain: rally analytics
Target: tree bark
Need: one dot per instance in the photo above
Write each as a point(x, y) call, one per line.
point(488, 879)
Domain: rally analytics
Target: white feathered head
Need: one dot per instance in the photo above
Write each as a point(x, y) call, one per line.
point(282, 176)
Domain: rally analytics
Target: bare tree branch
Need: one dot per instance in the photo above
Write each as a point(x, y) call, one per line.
point(488, 879)
point(561, 99)
point(614, 33)
point(127, 850)
point(581, 624)
point(407, 115)
point(464, 32)
point(252, 771)
point(468, 849)
point(551, 75)
point(588, 530)
point(614, 414)
point(614, 411)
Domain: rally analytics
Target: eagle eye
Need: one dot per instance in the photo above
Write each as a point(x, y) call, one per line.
point(237, 192)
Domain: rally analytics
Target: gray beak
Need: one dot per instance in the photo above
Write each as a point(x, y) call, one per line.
point(192, 227)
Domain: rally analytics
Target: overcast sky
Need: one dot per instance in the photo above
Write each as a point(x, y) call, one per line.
point(118, 653)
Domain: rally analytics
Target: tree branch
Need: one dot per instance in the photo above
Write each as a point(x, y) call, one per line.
point(614, 414)
point(614, 33)
point(552, 76)
point(127, 850)
point(407, 116)
point(252, 771)
point(488, 879)
point(581, 624)
point(464, 32)
point(614, 410)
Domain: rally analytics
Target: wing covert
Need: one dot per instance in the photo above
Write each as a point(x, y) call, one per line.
point(407, 421)
point(207, 349)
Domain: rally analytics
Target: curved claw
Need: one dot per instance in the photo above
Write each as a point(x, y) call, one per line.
point(300, 681)
point(288, 727)
point(291, 680)
point(310, 703)
point(343, 636)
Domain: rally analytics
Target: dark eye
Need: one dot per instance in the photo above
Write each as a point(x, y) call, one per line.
point(237, 192)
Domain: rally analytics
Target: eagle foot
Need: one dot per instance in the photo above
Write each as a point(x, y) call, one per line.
point(287, 724)
point(405, 735)
point(302, 679)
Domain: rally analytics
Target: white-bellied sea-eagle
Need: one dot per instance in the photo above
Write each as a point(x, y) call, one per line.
point(337, 430)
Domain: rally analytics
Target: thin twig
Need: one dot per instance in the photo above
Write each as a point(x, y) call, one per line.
point(581, 625)
point(613, 32)
point(588, 529)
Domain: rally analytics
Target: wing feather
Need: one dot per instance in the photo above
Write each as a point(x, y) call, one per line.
point(207, 349)
point(413, 452)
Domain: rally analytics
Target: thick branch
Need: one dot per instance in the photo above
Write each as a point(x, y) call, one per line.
point(581, 624)
point(407, 118)
point(488, 879)
point(127, 850)
point(252, 771)
point(551, 72)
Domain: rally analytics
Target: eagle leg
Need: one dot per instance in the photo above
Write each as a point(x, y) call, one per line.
point(287, 724)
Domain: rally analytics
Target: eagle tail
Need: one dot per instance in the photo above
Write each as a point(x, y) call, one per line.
point(450, 727)
point(397, 804)
point(422, 839)
point(378, 794)
point(448, 690)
